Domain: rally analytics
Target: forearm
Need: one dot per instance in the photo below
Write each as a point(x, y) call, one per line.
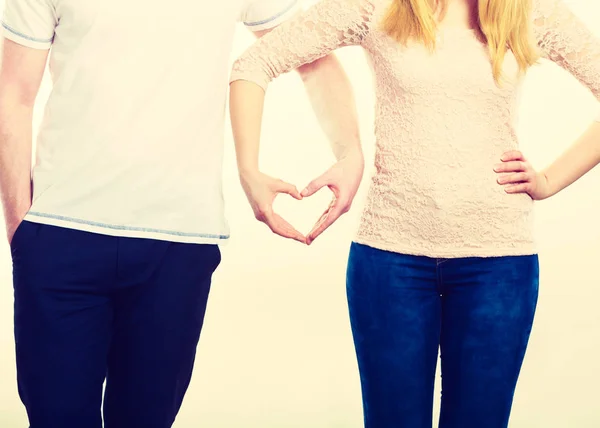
point(246, 110)
point(331, 96)
point(579, 159)
point(15, 159)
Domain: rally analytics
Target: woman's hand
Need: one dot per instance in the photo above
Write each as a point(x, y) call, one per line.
point(343, 179)
point(261, 191)
point(518, 176)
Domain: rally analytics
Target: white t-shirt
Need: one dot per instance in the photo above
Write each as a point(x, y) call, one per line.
point(131, 143)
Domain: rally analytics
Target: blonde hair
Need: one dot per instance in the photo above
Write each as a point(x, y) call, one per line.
point(504, 23)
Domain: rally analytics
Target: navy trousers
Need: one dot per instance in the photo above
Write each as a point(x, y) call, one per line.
point(91, 308)
point(403, 309)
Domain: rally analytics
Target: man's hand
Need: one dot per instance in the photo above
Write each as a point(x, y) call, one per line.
point(343, 179)
point(261, 191)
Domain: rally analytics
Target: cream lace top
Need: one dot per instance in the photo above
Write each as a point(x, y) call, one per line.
point(441, 123)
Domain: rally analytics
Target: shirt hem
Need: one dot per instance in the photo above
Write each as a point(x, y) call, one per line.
point(454, 253)
point(23, 39)
point(274, 21)
point(125, 231)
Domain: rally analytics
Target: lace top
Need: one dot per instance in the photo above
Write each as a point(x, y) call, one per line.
point(441, 123)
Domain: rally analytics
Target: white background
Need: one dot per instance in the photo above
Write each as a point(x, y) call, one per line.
point(276, 350)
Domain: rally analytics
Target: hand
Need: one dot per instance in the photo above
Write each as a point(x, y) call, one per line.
point(343, 179)
point(518, 176)
point(261, 191)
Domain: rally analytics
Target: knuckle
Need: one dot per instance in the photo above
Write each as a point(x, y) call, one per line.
point(261, 214)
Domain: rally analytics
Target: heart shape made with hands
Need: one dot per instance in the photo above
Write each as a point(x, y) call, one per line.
point(300, 214)
point(342, 179)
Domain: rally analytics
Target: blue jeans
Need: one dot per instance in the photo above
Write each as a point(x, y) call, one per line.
point(478, 311)
point(91, 307)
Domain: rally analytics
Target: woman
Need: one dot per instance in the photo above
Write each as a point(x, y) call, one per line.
point(444, 256)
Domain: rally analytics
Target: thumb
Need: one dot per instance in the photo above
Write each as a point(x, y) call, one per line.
point(315, 185)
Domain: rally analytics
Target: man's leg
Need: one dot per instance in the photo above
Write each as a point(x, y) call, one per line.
point(159, 313)
point(62, 323)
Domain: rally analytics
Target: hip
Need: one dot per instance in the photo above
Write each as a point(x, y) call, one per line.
point(381, 268)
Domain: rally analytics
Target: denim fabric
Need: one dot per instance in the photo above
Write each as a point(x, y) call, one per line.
point(477, 311)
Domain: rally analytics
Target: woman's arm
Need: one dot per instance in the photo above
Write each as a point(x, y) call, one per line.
point(578, 160)
point(303, 42)
point(520, 177)
point(564, 39)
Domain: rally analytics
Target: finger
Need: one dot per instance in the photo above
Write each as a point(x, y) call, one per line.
point(283, 187)
point(315, 185)
point(511, 166)
point(320, 221)
point(312, 234)
point(330, 217)
point(512, 155)
point(518, 188)
point(519, 177)
point(282, 228)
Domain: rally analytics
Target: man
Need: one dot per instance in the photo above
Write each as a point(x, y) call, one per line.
point(114, 236)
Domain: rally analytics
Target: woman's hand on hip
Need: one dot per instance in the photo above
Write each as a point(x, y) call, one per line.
point(517, 175)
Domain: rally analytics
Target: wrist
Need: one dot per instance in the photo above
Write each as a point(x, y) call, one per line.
point(13, 220)
point(550, 188)
point(352, 152)
point(248, 171)
point(15, 212)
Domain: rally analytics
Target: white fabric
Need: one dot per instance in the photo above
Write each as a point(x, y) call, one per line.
point(132, 139)
point(264, 14)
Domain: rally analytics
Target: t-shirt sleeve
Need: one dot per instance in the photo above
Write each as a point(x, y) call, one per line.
point(567, 41)
point(29, 23)
point(323, 28)
point(261, 15)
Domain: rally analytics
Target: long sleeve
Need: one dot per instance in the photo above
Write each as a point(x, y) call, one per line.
point(326, 26)
point(567, 41)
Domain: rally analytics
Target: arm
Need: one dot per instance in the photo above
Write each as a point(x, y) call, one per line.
point(305, 44)
point(331, 96)
point(577, 161)
point(565, 40)
point(21, 72)
point(573, 164)
point(332, 99)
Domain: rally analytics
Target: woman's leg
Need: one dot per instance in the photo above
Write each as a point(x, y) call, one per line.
point(487, 314)
point(395, 317)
